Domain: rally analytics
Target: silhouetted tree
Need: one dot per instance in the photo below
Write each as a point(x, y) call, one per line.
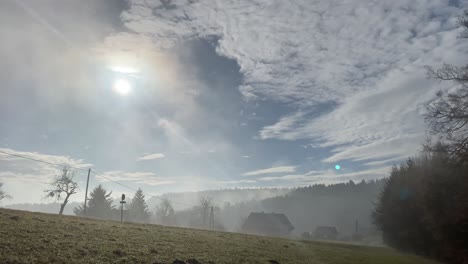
point(165, 213)
point(99, 204)
point(138, 209)
point(3, 195)
point(424, 206)
point(62, 187)
point(448, 114)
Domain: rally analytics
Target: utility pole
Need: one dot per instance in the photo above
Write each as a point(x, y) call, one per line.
point(211, 218)
point(86, 194)
point(204, 216)
point(121, 207)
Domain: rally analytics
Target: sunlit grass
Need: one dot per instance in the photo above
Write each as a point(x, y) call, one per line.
point(44, 238)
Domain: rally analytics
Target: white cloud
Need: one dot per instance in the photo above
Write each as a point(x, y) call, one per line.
point(17, 169)
point(26, 179)
point(285, 177)
point(152, 156)
point(367, 56)
point(391, 161)
point(148, 178)
point(325, 49)
point(280, 169)
point(330, 176)
point(236, 182)
point(54, 159)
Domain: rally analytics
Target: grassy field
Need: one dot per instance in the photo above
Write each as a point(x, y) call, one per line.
point(43, 238)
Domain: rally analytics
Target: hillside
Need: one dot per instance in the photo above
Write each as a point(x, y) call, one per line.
point(50, 208)
point(339, 205)
point(220, 197)
point(44, 238)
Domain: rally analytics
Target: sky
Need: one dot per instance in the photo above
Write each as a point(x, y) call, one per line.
point(187, 95)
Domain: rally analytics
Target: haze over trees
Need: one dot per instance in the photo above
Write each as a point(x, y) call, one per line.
point(423, 208)
point(339, 205)
point(62, 187)
point(164, 213)
point(205, 204)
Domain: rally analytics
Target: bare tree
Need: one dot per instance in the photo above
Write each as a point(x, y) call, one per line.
point(448, 114)
point(3, 195)
point(62, 186)
point(205, 204)
point(165, 213)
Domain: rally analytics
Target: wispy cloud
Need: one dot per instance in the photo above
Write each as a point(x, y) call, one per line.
point(18, 169)
point(236, 182)
point(54, 159)
point(151, 156)
point(148, 178)
point(284, 178)
point(280, 169)
point(365, 56)
point(330, 176)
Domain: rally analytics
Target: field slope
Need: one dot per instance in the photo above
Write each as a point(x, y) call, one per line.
point(27, 237)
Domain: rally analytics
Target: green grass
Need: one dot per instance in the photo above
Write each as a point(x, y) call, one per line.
point(27, 237)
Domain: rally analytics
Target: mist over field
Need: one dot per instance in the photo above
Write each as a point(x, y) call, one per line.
point(299, 129)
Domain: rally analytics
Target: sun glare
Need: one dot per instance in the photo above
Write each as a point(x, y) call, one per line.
point(127, 70)
point(122, 86)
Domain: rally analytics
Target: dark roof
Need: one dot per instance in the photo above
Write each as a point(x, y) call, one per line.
point(267, 221)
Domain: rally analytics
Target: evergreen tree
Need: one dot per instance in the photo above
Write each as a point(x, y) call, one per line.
point(423, 208)
point(138, 209)
point(99, 204)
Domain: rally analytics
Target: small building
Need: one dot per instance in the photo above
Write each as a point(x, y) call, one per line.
point(326, 232)
point(267, 224)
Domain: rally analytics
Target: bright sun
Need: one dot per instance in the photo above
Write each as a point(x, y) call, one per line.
point(122, 86)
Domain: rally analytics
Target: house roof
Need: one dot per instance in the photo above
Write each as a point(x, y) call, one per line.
point(267, 221)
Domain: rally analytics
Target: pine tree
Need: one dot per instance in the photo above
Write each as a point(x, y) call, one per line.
point(99, 204)
point(138, 209)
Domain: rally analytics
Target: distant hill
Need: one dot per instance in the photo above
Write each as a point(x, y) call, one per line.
point(339, 205)
point(50, 208)
point(220, 197)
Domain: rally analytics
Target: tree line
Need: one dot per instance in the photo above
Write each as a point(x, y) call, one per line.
point(423, 207)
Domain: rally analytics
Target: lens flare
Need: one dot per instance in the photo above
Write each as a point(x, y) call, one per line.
point(337, 167)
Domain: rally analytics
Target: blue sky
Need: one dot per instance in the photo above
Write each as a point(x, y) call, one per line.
point(224, 93)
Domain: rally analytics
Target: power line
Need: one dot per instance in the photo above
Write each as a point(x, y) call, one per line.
point(133, 189)
point(95, 172)
point(42, 161)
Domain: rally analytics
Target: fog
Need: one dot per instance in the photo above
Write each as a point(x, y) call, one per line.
point(347, 207)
